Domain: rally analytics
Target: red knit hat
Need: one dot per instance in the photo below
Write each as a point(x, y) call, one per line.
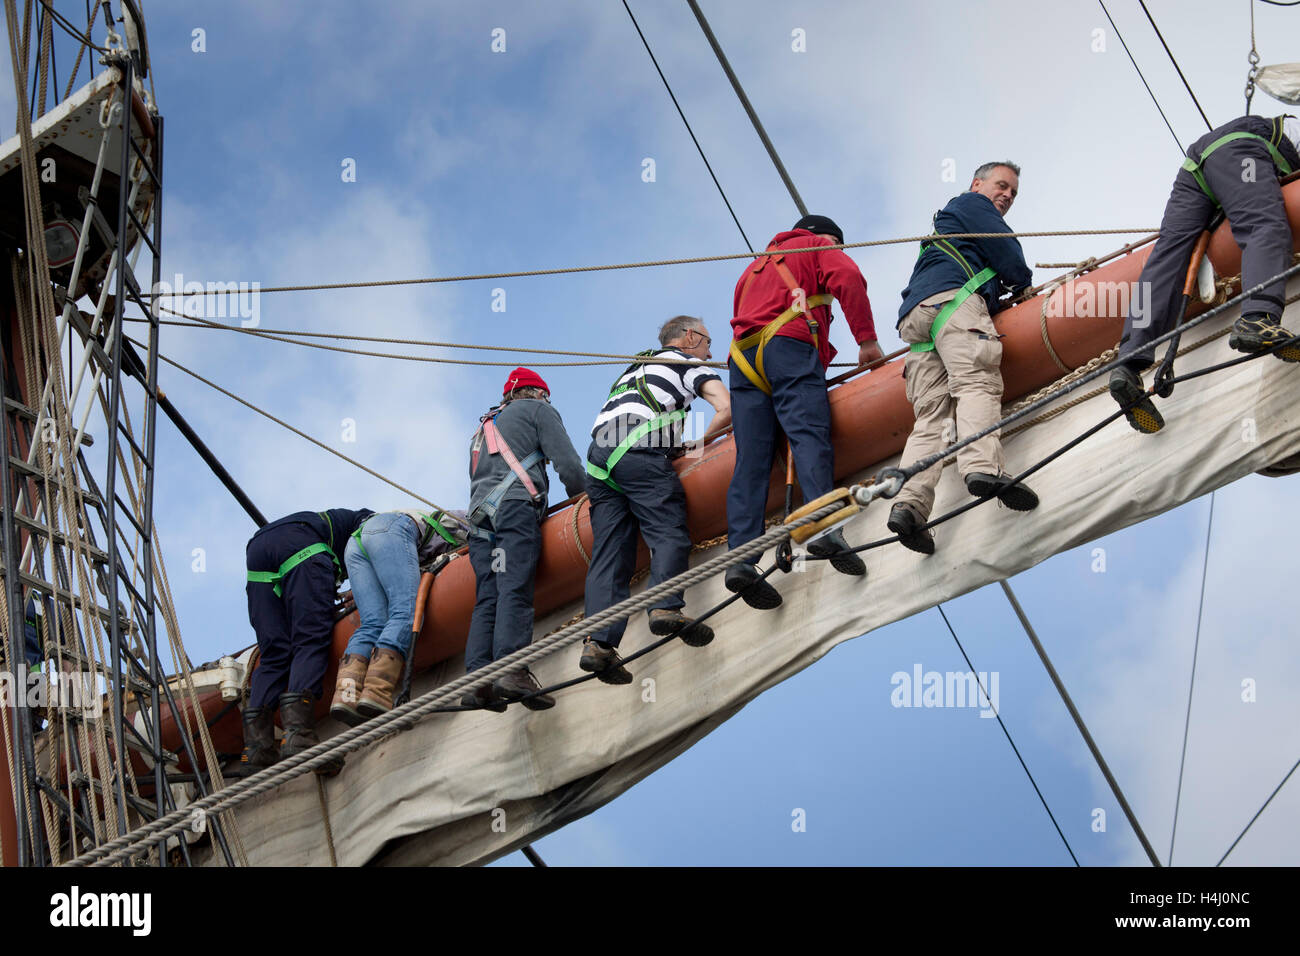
point(524, 378)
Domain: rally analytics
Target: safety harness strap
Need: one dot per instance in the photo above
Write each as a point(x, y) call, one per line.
point(276, 578)
point(755, 372)
point(1194, 167)
point(634, 436)
point(964, 293)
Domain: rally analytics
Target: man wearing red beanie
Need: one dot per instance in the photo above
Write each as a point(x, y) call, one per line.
point(508, 495)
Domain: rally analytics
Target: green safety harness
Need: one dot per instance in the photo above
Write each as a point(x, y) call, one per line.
point(1194, 167)
point(434, 526)
point(661, 420)
point(276, 578)
point(974, 281)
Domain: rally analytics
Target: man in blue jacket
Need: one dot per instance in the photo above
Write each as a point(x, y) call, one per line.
point(953, 371)
point(294, 565)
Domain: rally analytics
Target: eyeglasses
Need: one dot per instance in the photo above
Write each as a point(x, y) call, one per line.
point(707, 340)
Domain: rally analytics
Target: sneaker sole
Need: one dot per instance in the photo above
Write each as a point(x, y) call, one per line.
point(1018, 498)
point(473, 703)
point(347, 715)
point(1142, 416)
point(759, 595)
point(614, 676)
point(845, 562)
point(697, 635)
point(1251, 346)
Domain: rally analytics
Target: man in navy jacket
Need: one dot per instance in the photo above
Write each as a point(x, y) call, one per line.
point(953, 371)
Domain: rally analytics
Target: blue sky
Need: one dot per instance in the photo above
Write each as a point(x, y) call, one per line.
point(473, 161)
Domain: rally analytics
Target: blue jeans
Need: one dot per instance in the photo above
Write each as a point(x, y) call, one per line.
point(798, 406)
point(385, 576)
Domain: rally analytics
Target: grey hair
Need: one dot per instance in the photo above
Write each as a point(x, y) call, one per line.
point(678, 326)
point(983, 171)
point(527, 391)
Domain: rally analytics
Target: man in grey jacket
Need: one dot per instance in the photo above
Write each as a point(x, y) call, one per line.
point(508, 494)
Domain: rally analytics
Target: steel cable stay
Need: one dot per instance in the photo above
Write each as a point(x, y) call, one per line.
point(682, 114)
point(1024, 766)
point(1177, 141)
point(1208, 124)
point(1191, 682)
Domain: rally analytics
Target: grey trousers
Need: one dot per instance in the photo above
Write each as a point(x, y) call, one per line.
point(1244, 179)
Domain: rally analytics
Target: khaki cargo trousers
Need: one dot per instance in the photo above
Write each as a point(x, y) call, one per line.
point(958, 383)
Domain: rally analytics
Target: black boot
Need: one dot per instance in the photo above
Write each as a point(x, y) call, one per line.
point(260, 750)
point(300, 731)
point(843, 560)
point(910, 528)
point(747, 581)
point(1015, 496)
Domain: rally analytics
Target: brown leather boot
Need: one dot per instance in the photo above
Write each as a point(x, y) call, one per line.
point(300, 731)
point(260, 750)
point(384, 672)
point(347, 689)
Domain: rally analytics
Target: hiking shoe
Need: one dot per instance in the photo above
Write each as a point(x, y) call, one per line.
point(603, 661)
point(1015, 496)
point(518, 686)
point(843, 560)
point(910, 528)
point(745, 580)
point(668, 620)
point(1259, 332)
point(1126, 388)
point(482, 698)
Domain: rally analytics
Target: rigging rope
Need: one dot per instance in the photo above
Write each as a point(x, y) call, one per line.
point(568, 270)
point(284, 424)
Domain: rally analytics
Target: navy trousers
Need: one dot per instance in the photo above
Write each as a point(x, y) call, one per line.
point(504, 573)
point(1257, 215)
point(653, 502)
point(294, 632)
point(798, 406)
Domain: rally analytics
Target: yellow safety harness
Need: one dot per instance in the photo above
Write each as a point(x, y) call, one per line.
point(803, 306)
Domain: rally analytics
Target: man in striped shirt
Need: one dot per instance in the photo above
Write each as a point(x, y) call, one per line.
point(631, 483)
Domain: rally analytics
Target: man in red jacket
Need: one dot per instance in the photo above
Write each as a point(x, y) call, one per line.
point(779, 357)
